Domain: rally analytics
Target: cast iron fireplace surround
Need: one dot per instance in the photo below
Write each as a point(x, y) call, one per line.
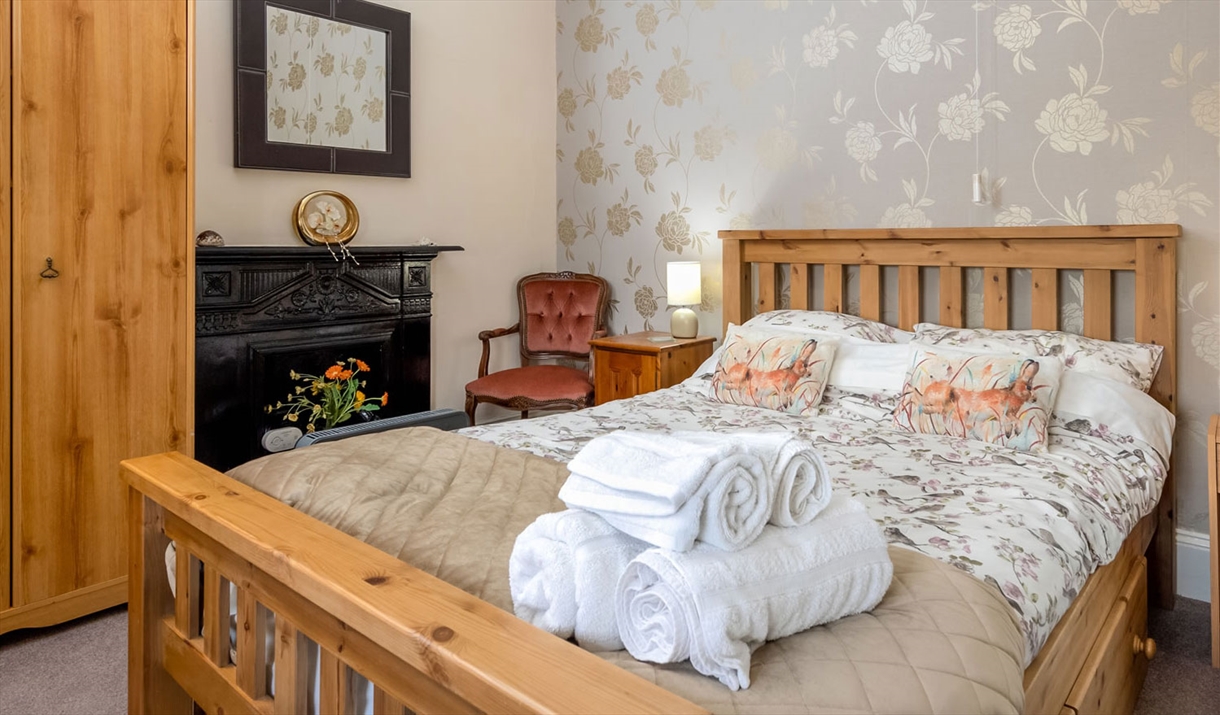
point(263, 311)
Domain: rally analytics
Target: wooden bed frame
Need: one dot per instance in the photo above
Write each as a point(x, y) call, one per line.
point(429, 647)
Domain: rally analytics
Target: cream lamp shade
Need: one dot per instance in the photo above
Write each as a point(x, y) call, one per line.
point(682, 288)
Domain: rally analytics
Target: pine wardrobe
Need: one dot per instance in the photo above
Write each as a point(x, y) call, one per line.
point(96, 326)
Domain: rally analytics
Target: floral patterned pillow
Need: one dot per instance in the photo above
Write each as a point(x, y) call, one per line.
point(848, 326)
point(1001, 399)
point(1133, 364)
point(775, 370)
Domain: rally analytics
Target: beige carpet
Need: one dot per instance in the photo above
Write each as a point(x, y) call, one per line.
point(82, 668)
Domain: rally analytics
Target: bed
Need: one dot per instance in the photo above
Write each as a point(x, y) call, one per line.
point(432, 647)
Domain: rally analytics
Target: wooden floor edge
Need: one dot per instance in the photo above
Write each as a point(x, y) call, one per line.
point(66, 607)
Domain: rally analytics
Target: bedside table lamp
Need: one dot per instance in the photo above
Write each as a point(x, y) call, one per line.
point(683, 278)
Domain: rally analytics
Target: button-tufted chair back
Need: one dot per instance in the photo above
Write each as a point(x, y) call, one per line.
point(560, 312)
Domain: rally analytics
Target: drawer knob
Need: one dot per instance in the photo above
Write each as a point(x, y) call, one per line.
point(1147, 646)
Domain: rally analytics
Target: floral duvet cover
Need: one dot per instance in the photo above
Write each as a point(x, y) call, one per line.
point(1033, 525)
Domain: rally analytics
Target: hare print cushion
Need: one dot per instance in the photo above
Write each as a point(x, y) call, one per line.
point(1134, 364)
point(780, 371)
point(1001, 399)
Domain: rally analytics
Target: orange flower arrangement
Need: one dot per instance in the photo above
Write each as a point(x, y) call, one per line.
point(337, 392)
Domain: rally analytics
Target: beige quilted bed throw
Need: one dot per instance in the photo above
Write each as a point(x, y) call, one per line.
point(940, 642)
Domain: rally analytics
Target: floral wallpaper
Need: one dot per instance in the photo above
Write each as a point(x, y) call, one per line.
point(677, 118)
point(325, 82)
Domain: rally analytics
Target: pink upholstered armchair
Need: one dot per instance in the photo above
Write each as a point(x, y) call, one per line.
point(560, 314)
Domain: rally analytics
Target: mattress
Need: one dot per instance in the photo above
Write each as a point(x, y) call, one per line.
point(1035, 526)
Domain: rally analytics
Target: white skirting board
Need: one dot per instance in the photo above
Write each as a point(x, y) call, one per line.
point(1194, 571)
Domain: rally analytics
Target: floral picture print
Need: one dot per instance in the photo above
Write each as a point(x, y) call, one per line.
point(785, 372)
point(1003, 400)
point(326, 82)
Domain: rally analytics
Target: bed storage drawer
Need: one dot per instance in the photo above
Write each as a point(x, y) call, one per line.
point(1113, 674)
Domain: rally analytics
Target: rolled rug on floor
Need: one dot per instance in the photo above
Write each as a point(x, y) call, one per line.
point(714, 607)
point(562, 574)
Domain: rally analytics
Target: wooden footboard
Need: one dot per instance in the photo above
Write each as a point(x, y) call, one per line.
point(427, 646)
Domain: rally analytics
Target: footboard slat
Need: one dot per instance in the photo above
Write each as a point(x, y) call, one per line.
point(187, 608)
point(429, 646)
point(251, 645)
point(291, 669)
point(335, 696)
point(385, 704)
point(215, 616)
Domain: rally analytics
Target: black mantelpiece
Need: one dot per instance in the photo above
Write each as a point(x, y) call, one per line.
point(261, 311)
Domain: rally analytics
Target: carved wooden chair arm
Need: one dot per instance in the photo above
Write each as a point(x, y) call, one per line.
point(486, 336)
point(596, 334)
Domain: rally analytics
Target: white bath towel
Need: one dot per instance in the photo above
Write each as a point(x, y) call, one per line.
point(643, 485)
point(643, 473)
point(714, 608)
point(562, 574)
point(799, 477)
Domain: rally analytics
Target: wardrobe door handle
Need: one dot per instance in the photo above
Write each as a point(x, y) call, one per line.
point(49, 271)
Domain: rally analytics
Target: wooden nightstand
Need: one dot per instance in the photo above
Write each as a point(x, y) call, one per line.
point(1213, 508)
point(629, 365)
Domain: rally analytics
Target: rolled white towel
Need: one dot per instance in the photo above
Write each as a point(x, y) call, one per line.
point(715, 608)
point(645, 473)
point(562, 575)
point(729, 510)
point(798, 474)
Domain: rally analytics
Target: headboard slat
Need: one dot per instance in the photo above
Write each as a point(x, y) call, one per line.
point(1098, 317)
point(952, 297)
point(1044, 314)
point(870, 292)
point(767, 294)
point(995, 298)
point(798, 285)
point(833, 285)
point(736, 282)
point(908, 297)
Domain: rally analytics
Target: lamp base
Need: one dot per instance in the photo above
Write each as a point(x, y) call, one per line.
point(684, 323)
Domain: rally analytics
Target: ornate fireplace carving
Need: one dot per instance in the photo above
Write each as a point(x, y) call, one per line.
point(261, 311)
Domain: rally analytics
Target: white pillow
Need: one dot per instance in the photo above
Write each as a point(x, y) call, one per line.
point(820, 321)
point(1094, 405)
point(870, 367)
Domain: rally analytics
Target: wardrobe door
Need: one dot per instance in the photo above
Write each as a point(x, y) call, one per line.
point(100, 144)
point(6, 415)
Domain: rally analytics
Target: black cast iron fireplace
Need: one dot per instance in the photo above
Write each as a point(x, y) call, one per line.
point(261, 312)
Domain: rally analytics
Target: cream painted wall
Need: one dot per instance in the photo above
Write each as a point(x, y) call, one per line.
point(483, 148)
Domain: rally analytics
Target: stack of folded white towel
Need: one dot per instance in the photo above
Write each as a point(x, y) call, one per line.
point(697, 546)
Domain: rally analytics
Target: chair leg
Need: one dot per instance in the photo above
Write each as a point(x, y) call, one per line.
point(471, 403)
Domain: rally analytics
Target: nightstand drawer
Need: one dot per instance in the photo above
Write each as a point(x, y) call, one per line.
point(620, 375)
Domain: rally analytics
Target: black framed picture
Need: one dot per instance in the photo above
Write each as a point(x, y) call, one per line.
point(322, 86)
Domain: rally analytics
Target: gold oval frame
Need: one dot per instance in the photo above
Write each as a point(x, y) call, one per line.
point(312, 237)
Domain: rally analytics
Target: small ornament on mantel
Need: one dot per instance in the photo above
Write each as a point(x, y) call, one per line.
point(425, 241)
point(209, 238)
